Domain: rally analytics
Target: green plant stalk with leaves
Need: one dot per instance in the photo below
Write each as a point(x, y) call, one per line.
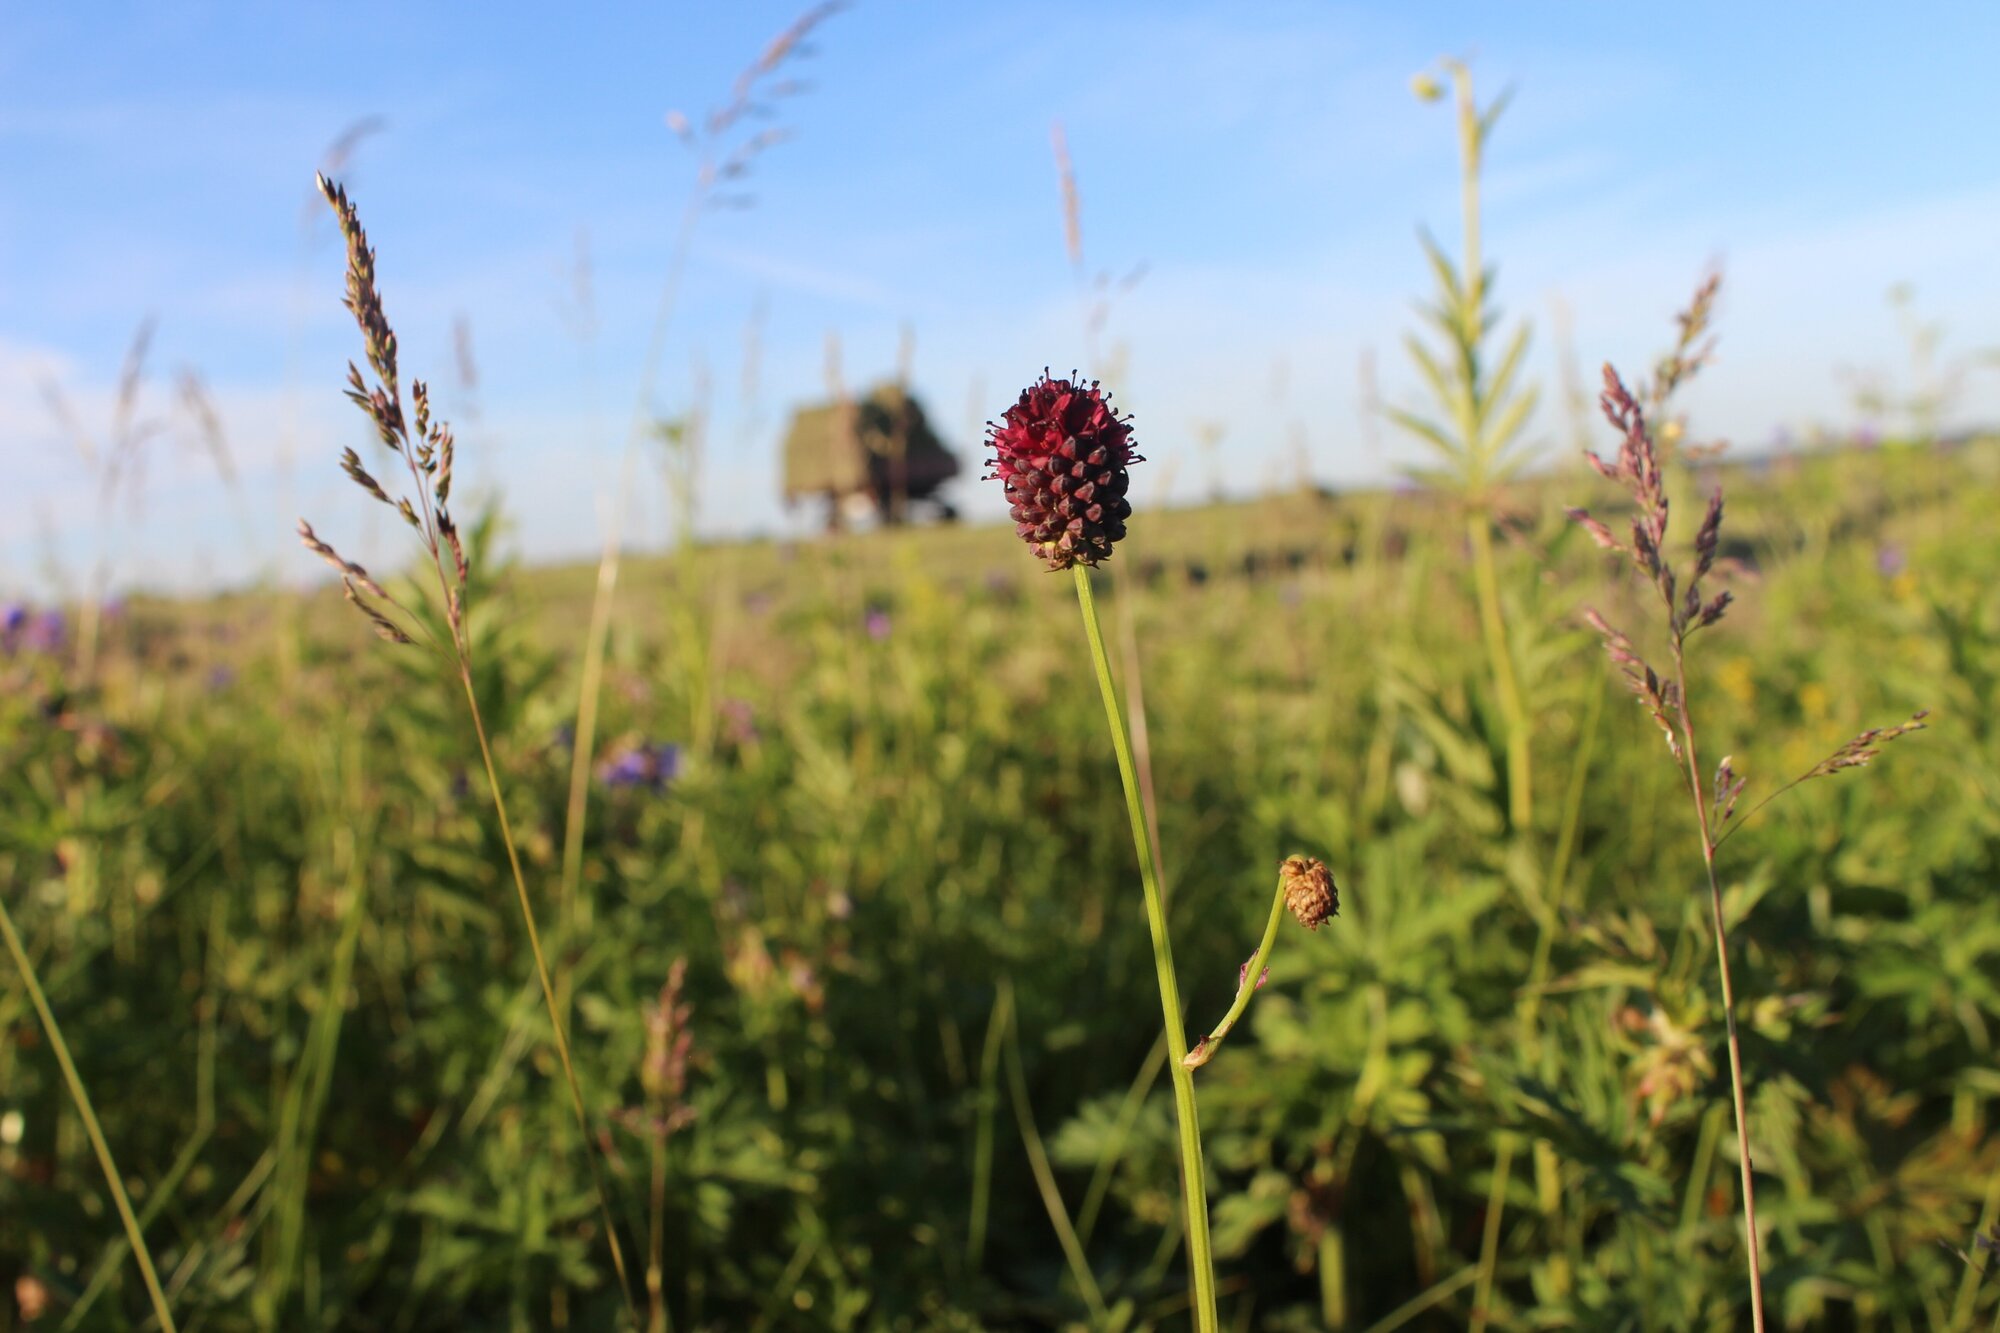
point(1307, 891)
point(1246, 989)
point(1484, 413)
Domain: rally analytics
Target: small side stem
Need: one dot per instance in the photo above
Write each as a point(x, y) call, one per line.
point(112, 1180)
point(1194, 1189)
point(1204, 1050)
point(548, 992)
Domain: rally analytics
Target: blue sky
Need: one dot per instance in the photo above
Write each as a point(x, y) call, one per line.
point(1266, 163)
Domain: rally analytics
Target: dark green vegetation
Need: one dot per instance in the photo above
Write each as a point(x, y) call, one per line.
point(255, 862)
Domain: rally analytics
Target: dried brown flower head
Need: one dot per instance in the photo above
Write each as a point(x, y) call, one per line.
point(1310, 893)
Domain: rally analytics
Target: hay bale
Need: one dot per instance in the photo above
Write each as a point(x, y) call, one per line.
point(878, 447)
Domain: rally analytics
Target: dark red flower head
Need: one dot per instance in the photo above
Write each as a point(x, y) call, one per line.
point(1062, 454)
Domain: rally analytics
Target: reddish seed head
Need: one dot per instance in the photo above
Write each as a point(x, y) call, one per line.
point(1062, 452)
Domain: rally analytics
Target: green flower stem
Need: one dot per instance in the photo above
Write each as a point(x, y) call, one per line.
point(1194, 1189)
point(112, 1180)
point(1204, 1050)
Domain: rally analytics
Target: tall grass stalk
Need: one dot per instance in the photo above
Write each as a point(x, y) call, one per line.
point(982, 1140)
point(1045, 1177)
point(427, 453)
point(1689, 353)
point(1638, 468)
point(1666, 699)
point(590, 1152)
point(1743, 1163)
point(1194, 1191)
point(134, 1234)
point(163, 1190)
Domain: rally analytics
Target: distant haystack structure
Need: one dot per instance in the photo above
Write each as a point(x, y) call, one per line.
point(868, 457)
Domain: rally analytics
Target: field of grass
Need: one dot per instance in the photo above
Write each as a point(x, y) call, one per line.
point(859, 995)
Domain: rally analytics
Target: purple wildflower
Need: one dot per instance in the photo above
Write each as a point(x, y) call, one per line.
point(1889, 560)
point(645, 764)
point(46, 632)
point(877, 624)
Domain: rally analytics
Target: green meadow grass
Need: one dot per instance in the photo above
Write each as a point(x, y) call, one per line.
point(256, 866)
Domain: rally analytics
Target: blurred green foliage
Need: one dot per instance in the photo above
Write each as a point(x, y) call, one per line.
point(256, 866)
